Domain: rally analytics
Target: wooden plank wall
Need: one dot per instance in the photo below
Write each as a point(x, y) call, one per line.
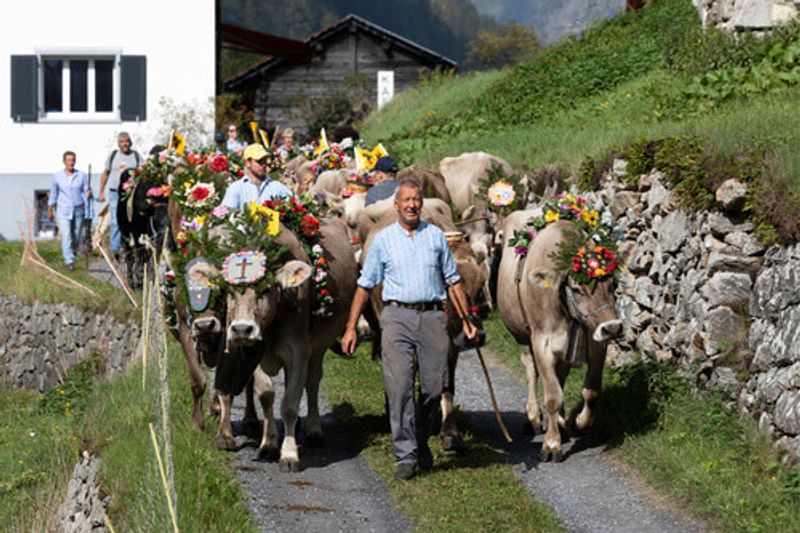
point(278, 98)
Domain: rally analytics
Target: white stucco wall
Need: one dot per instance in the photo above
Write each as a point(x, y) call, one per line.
point(177, 36)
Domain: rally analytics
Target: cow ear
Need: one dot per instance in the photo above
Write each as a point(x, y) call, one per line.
point(544, 278)
point(293, 274)
point(467, 213)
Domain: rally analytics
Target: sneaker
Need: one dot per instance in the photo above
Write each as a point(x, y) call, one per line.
point(69, 266)
point(424, 458)
point(405, 471)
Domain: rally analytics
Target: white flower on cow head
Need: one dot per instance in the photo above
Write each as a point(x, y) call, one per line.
point(501, 194)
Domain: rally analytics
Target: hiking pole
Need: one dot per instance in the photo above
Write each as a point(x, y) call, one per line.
point(496, 409)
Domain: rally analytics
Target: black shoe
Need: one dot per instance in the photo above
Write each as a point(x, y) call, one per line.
point(424, 458)
point(405, 471)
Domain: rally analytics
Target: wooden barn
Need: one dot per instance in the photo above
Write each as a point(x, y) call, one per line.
point(354, 58)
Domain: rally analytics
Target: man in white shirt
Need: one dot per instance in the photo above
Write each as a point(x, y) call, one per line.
point(257, 186)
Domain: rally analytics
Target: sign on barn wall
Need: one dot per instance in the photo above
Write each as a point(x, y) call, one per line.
point(385, 87)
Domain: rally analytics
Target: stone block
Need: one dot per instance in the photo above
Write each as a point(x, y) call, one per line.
point(727, 288)
point(673, 232)
point(731, 195)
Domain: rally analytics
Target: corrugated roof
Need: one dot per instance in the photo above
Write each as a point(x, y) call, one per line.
point(409, 46)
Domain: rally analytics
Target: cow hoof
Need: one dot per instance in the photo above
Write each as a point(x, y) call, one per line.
point(453, 443)
point(198, 423)
point(287, 465)
point(225, 443)
point(550, 455)
point(314, 440)
point(267, 454)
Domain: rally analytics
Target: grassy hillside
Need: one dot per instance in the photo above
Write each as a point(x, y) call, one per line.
point(641, 75)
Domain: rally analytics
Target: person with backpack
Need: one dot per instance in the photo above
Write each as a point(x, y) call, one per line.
point(118, 161)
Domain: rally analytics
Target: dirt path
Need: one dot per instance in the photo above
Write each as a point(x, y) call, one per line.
point(335, 490)
point(587, 491)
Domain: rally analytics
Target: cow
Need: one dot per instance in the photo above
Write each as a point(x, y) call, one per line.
point(538, 303)
point(138, 217)
point(473, 276)
point(433, 184)
point(272, 330)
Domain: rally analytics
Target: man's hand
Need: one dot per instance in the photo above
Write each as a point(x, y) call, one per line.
point(469, 329)
point(349, 341)
point(50, 214)
point(101, 197)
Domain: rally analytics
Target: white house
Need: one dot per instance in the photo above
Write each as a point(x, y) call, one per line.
point(74, 74)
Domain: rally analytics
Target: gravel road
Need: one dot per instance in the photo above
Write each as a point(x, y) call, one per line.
point(334, 491)
point(588, 492)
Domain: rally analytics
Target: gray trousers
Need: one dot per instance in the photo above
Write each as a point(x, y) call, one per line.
point(412, 339)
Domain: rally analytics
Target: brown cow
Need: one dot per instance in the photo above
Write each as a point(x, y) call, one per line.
point(538, 303)
point(473, 276)
point(273, 330)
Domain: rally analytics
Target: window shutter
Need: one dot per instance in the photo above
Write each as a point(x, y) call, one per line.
point(24, 88)
point(133, 88)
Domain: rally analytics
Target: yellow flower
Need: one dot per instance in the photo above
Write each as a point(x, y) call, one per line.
point(600, 272)
point(551, 216)
point(591, 217)
point(258, 211)
point(188, 185)
point(201, 220)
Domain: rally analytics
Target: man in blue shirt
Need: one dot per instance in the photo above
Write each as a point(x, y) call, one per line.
point(256, 186)
point(68, 194)
point(385, 186)
point(414, 262)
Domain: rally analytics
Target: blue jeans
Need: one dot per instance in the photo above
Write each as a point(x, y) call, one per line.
point(116, 236)
point(70, 231)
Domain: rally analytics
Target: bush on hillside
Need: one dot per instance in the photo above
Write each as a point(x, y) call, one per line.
point(509, 45)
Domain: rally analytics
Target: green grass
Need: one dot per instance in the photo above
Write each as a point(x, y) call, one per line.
point(710, 460)
point(477, 491)
point(29, 283)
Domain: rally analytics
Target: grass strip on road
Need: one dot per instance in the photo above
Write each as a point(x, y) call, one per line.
point(706, 457)
point(474, 492)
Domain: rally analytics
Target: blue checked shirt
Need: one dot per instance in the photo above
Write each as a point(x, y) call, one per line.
point(240, 193)
point(412, 270)
point(68, 192)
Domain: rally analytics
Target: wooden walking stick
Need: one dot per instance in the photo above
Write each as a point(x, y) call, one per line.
point(503, 429)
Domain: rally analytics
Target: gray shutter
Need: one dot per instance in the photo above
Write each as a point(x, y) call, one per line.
point(24, 88)
point(133, 88)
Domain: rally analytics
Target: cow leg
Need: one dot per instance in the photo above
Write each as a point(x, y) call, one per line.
point(265, 389)
point(562, 370)
point(451, 437)
point(214, 408)
point(553, 398)
point(532, 408)
point(224, 438)
point(196, 377)
point(313, 427)
point(592, 385)
point(250, 425)
point(290, 408)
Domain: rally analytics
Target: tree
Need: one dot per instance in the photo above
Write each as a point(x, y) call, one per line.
point(511, 44)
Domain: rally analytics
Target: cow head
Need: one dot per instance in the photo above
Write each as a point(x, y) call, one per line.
point(593, 306)
point(251, 312)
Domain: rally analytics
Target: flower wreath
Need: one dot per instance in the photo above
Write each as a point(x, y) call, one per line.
point(333, 158)
point(359, 181)
point(586, 263)
point(154, 175)
point(504, 194)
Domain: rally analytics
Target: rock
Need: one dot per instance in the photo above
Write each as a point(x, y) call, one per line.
point(622, 201)
point(724, 327)
point(731, 195)
point(649, 342)
point(765, 426)
point(775, 381)
point(646, 181)
point(655, 196)
point(720, 224)
point(744, 242)
point(787, 412)
point(712, 244)
point(723, 379)
point(643, 291)
point(619, 168)
point(673, 232)
point(727, 288)
point(720, 262)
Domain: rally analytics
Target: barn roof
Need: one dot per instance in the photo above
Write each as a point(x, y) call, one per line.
point(315, 43)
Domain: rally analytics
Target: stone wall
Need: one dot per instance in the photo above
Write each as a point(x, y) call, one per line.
point(85, 507)
point(699, 289)
point(742, 15)
point(39, 342)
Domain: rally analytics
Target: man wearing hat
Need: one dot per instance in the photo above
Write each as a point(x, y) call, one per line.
point(256, 186)
point(384, 173)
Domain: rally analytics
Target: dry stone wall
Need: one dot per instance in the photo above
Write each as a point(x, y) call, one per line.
point(752, 15)
point(40, 342)
point(700, 289)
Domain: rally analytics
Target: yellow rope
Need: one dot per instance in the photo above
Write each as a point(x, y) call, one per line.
point(163, 478)
point(107, 521)
point(146, 327)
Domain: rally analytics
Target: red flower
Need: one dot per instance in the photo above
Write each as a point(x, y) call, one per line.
point(310, 225)
point(219, 163)
point(324, 292)
point(200, 193)
point(298, 206)
point(355, 240)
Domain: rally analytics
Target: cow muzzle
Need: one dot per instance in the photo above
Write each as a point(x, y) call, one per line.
point(607, 330)
point(205, 325)
point(244, 332)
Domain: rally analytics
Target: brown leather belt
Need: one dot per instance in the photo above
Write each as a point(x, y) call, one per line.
point(419, 306)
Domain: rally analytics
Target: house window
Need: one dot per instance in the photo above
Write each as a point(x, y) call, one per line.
point(79, 88)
